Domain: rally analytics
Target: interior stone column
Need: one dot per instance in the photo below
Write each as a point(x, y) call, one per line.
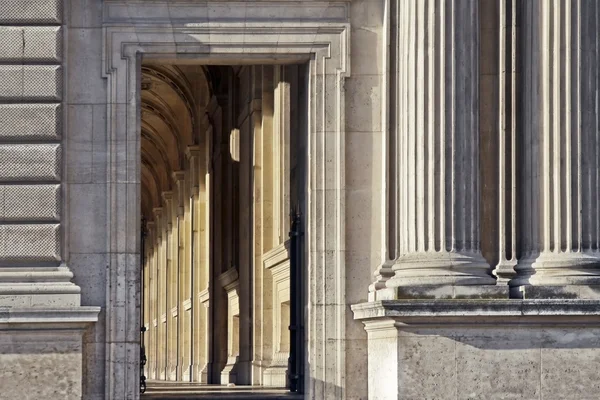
point(196, 155)
point(167, 198)
point(148, 296)
point(434, 161)
point(160, 288)
point(152, 355)
point(204, 281)
point(560, 191)
point(179, 178)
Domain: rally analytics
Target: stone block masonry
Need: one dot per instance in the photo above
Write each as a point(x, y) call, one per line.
point(31, 92)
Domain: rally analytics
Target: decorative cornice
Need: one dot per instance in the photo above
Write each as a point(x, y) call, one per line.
point(277, 255)
point(204, 296)
point(229, 279)
point(181, 12)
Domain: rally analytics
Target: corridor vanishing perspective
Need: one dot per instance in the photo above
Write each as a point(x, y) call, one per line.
point(218, 183)
point(345, 199)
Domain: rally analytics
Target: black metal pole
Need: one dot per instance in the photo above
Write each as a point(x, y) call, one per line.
point(143, 357)
point(295, 361)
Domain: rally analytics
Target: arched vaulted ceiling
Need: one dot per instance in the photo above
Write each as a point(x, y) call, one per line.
point(173, 103)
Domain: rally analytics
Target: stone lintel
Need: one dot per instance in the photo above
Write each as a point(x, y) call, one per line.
point(229, 279)
point(204, 296)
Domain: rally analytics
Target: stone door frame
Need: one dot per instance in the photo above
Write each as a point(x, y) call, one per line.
point(228, 33)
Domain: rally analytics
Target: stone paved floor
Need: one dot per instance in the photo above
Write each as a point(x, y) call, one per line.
point(184, 391)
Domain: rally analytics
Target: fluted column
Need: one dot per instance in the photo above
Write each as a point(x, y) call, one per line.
point(435, 157)
point(560, 223)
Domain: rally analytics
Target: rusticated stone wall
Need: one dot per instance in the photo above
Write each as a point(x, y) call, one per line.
point(31, 115)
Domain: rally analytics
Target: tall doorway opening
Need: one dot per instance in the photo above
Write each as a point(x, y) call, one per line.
point(224, 155)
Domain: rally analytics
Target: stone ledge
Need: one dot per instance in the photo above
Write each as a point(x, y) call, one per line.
point(465, 311)
point(63, 317)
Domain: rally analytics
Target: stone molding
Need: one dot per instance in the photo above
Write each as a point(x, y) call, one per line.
point(549, 311)
point(62, 317)
point(204, 297)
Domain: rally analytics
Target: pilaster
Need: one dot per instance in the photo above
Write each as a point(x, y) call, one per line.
point(230, 282)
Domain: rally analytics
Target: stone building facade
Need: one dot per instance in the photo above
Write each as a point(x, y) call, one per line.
point(411, 186)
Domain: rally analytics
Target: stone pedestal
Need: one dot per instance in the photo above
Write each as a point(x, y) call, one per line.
point(278, 263)
point(230, 282)
point(41, 352)
point(481, 349)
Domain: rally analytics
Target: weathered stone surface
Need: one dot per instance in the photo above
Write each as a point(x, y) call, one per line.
point(30, 11)
point(44, 360)
point(30, 162)
point(29, 122)
point(29, 243)
point(30, 44)
point(30, 82)
point(457, 349)
point(30, 202)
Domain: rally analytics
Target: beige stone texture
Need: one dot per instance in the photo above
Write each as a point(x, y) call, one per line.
point(442, 155)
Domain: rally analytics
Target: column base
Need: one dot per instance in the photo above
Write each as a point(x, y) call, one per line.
point(186, 374)
point(204, 374)
point(172, 372)
point(35, 344)
point(441, 268)
point(229, 373)
point(38, 287)
point(455, 348)
point(276, 374)
point(558, 269)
